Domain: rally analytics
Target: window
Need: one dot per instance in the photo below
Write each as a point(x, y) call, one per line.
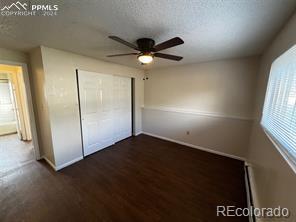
point(6, 106)
point(279, 112)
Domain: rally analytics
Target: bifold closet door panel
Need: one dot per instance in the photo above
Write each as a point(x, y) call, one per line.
point(96, 108)
point(122, 107)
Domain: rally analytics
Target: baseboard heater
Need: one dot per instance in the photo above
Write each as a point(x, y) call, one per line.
point(249, 193)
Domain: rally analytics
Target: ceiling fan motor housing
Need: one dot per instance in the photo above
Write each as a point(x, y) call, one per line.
point(145, 45)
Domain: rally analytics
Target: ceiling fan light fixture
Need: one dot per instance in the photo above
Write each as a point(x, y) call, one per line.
point(145, 58)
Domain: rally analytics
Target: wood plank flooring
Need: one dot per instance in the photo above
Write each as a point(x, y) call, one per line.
point(139, 179)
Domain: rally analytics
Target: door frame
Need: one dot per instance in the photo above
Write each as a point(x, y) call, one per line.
point(30, 103)
point(79, 108)
point(133, 97)
point(132, 104)
point(15, 108)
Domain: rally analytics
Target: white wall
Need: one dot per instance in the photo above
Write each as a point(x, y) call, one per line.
point(62, 98)
point(223, 87)
point(213, 100)
point(11, 55)
point(274, 181)
point(41, 105)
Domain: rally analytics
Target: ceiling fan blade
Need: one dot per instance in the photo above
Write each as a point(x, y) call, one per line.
point(167, 56)
point(117, 39)
point(125, 54)
point(168, 44)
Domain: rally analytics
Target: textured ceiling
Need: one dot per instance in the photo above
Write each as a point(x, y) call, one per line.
point(211, 29)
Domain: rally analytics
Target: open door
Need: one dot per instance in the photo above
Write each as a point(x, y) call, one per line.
point(15, 110)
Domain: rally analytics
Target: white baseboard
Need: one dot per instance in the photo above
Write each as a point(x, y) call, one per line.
point(250, 201)
point(138, 133)
point(69, 163)
point(196, 147)
point(253, 186)
point(49, 162)
point(57, 168)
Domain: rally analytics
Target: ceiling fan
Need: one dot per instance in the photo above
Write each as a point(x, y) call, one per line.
point(148, 50)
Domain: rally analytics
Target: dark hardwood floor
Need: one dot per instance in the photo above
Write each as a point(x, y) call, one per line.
point(138, 179)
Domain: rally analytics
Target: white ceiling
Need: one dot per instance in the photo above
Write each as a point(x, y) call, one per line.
point(211, 29)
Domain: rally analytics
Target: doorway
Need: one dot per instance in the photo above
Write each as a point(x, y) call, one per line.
point(17, 126)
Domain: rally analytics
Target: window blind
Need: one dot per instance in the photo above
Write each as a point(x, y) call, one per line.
point(279, 112)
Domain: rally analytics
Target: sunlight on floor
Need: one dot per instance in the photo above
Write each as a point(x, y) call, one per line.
point(14, 153)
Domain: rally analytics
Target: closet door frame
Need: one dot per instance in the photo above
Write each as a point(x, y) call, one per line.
point(132, 105)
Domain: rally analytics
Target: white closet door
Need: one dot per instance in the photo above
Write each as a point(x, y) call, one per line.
point(122, 108)
point(96, 105)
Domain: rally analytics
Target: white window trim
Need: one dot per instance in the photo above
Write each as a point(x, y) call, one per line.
point(290, 159)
